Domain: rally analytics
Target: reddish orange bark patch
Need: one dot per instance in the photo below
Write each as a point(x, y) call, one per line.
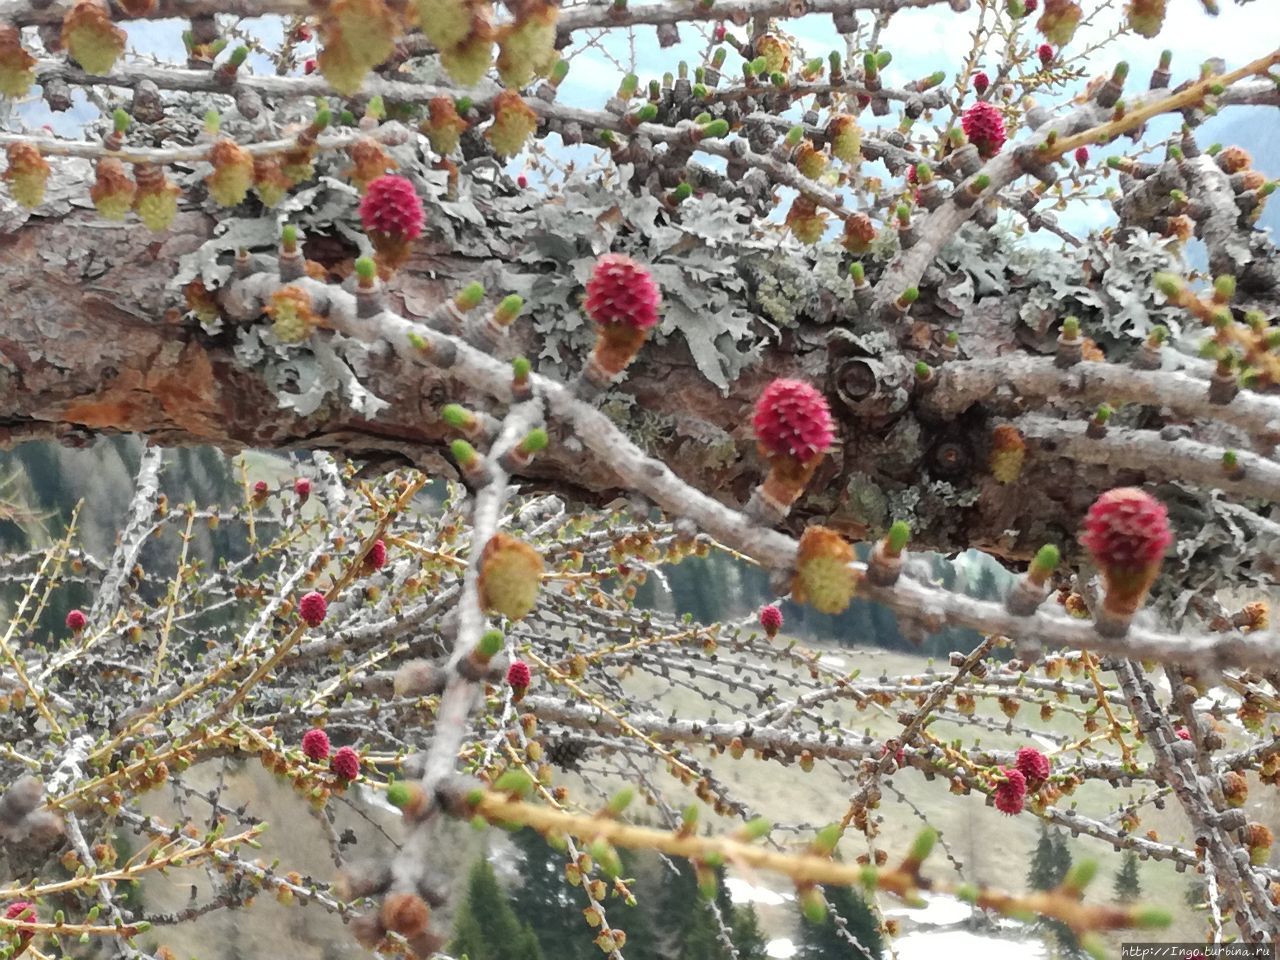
point(101, 412)
point(178, 389)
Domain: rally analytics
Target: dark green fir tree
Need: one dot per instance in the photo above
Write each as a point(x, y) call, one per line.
point(486, 927)
point(1061, 855)
point(1050, 862)
point(1127, 888)
point(748, 938)
point(548, 903)
point(826, 941)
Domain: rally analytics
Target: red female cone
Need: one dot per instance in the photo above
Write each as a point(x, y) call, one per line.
point(21, 910)
point(1127, 533)
point(518, 678)
point(771, 620)
point(392, 215)
point(984, 126)
point(623, 300)
point(1011, 792)
point(794, 429)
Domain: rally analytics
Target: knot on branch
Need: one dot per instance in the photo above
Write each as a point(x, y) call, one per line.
point(874, 389)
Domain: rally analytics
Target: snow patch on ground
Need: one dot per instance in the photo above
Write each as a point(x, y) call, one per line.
point(963, 945)
point(781, 949)
point(940, 911)
point(932, 930)
point(740, 891)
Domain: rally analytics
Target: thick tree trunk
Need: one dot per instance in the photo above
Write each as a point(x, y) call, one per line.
point(91, 341)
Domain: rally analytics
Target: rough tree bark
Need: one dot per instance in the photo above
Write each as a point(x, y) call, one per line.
point(94, 340)
point(96, 344)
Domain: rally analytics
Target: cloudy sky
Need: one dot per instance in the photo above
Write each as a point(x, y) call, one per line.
point(925, 40)
point(921, 41)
